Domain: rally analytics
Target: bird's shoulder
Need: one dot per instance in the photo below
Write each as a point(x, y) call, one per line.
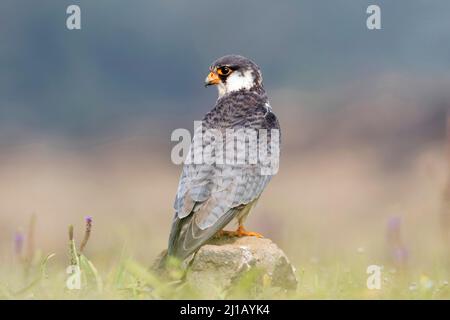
point(241, 109)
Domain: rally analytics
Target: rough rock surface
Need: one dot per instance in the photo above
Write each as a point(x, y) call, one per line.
point(226, 261)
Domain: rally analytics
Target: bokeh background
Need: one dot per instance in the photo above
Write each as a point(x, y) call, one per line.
point(86, 118)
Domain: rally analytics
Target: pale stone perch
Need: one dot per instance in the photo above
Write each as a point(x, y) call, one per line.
point(224, 261)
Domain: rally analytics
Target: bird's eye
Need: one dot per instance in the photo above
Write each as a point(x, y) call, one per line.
point(224, 71)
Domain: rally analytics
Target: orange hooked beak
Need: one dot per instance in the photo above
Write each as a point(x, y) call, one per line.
point(212, 79)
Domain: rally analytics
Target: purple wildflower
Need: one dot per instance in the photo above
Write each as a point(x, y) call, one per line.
point(397, 249)
point(87, 232)
point(19, 240)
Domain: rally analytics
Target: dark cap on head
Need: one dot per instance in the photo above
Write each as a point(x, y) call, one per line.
point(239, 63)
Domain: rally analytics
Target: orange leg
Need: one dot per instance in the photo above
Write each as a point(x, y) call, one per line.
point(240, 232)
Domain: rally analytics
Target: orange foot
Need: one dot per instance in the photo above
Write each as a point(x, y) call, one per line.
point(240, 232)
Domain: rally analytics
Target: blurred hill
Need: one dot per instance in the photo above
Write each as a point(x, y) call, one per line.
point(146, 61)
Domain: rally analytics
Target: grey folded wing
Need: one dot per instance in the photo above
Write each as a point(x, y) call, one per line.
point(208, 198)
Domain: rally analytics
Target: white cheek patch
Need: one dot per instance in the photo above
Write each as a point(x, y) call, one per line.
point(237, 81)
point(222, 89)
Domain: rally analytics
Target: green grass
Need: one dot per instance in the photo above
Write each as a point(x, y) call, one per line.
point(129, 279)
point(35, 275)
point(132, 280)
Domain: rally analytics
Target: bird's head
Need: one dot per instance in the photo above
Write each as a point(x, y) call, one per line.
point(232, 73)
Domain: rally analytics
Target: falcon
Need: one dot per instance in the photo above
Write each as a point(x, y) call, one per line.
point(211, 195)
